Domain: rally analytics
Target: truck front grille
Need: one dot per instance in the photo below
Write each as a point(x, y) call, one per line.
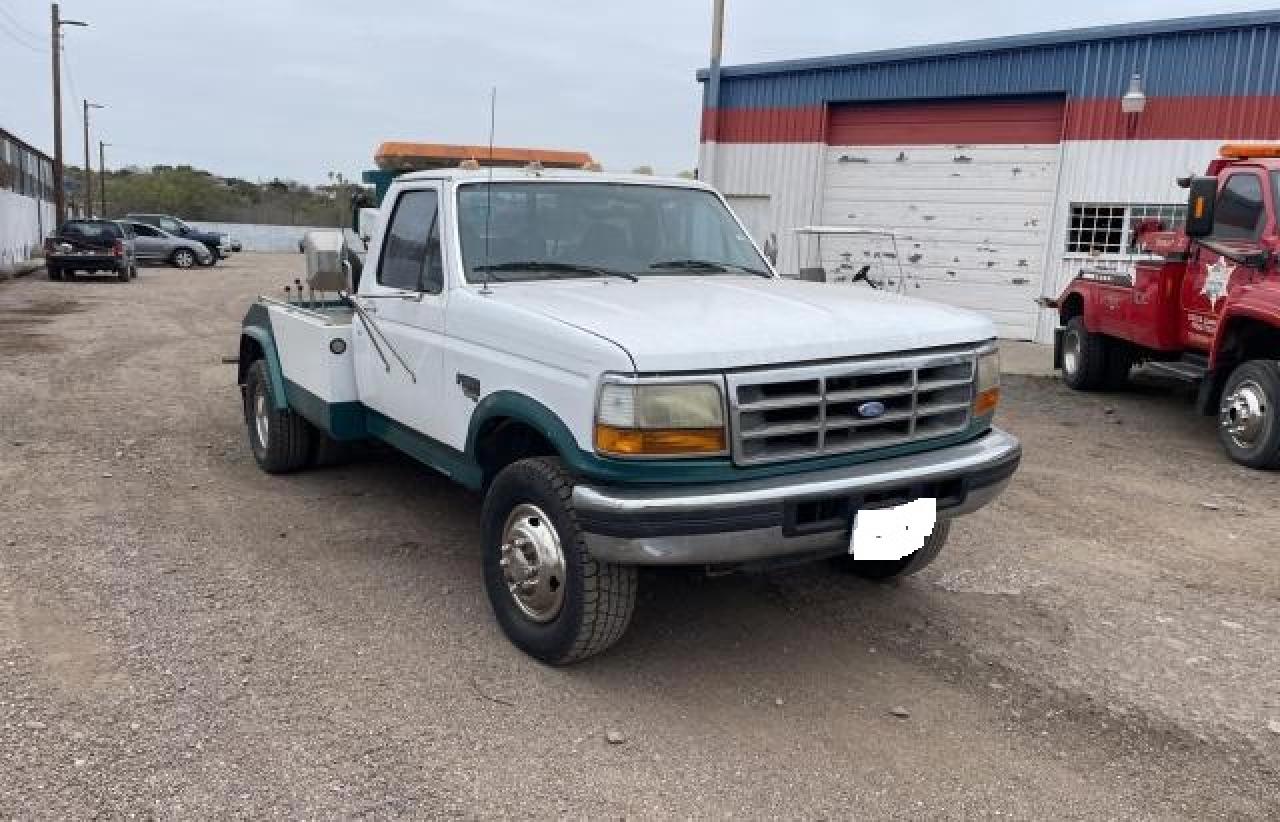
point(854, 405)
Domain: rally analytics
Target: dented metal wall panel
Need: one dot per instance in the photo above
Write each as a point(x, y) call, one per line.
point(970, 221)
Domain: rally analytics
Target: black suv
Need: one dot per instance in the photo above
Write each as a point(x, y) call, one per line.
point(91, 246)
point(173, 225)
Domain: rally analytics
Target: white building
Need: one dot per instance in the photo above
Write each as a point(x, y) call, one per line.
point(26, 199)
point(1002, 166)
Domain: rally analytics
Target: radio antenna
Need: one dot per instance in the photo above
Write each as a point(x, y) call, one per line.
point(488, 201)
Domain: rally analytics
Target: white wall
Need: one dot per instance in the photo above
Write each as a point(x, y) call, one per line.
point(261, 237)
point(1094, 171)
point(789, 174)
point(24, 223)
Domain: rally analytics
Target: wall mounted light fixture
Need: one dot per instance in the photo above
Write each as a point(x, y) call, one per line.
point(1134, 100)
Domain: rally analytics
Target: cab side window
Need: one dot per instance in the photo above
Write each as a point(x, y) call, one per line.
point(411, 257)
point(1240, 211)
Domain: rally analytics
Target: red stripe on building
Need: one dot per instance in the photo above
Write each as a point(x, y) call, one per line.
point(1165, 118)
point(767, 125)
point(1176, 118)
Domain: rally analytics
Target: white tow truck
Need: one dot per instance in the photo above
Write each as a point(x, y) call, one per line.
point(613, 363)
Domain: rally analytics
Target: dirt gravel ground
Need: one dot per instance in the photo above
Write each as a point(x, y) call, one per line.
point(183, 636)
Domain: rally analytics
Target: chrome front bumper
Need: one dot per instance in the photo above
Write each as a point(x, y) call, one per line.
point(785, 516)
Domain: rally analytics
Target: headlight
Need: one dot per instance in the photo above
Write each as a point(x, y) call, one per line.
point(660, 419)
point(987, 384)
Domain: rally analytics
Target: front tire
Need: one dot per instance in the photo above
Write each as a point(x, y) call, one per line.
point(183, 258)
point(1249, 414)
point(553, 600)
point(122, 273)
point(55, 273)
point(893, 568)
point(1084, 357)
point(281, 440)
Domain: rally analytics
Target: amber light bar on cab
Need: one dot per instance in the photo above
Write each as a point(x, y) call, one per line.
point(1246, 151)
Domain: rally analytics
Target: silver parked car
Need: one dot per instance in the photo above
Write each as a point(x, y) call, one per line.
point(155, 245)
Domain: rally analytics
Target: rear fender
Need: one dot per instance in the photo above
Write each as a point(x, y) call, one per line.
point(1075, 301)
point(256, 336)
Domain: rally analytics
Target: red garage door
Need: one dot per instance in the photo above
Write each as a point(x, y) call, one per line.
point(1000, 121)
point(967, 187)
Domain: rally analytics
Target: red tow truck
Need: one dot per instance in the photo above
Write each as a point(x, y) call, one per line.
point(1205, 310)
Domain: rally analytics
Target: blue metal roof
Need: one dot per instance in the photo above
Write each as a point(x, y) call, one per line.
point(1217, 55)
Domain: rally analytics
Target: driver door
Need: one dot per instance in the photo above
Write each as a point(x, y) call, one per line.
point(1240, 216)
point(148, 242)
point(399, 362)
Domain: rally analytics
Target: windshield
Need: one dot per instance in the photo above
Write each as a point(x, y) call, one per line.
point(92, 230)
point(546, 230)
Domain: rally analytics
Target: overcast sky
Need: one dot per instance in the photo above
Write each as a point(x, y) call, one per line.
point(297, 88)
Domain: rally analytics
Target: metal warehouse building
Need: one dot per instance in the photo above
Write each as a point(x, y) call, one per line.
point(1002, 166)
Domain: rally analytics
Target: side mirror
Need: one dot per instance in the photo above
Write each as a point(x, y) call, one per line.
point(1200, 201)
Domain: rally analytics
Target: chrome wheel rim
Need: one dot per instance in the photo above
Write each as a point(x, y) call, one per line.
point(1243, 414)
point(184, 259)
point(532, 563)
point(261, 420)
point(1071, 352)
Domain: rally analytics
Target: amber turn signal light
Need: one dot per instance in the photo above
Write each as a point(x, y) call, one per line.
point(631, 442)
point(986, 402)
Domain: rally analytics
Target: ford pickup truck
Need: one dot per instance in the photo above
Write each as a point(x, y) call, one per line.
point(611, 361)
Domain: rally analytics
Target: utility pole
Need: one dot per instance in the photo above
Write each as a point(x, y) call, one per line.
point(88, 168)
point(55, 27)
point(712, 109)
point(59, 198)
point(102, 177)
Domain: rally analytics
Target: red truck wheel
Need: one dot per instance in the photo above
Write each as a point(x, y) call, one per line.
point(1249, 414)
point(1084, 357)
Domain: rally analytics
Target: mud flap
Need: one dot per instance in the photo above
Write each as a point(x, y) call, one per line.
point(1057, 347)
point(1210, 389)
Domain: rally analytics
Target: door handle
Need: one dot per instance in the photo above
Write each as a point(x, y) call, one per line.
point(369, 307)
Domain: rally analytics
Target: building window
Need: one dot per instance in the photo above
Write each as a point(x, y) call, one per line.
point(1109, 228)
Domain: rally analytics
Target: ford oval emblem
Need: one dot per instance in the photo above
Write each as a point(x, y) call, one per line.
point(871, 410)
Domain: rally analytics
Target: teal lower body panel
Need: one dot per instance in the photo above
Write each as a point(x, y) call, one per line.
point(354, 421)
point(344, 421)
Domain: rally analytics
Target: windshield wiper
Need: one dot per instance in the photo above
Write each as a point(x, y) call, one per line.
point(567, 268)
point(709, 266)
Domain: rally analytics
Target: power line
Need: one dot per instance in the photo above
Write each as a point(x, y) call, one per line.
point(71, 80)
point(13, 35)
point(18, 25)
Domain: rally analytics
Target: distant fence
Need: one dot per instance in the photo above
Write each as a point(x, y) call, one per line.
point(261, 237)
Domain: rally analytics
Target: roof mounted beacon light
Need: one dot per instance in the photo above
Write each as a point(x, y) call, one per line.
point(1248, 151)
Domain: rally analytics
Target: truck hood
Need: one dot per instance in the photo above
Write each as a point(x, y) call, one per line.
point(711, 323)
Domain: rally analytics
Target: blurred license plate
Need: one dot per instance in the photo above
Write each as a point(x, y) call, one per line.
point(892, 533)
